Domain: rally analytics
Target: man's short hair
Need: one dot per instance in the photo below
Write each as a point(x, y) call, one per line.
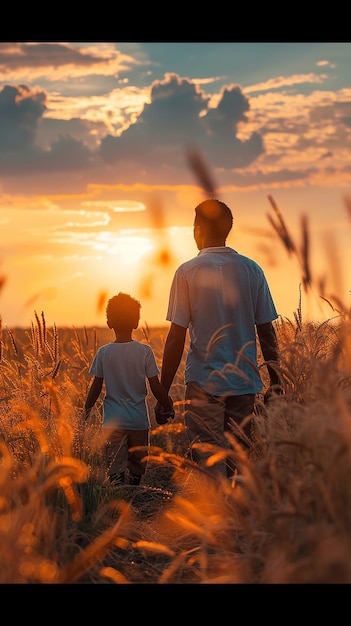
point(215, 217)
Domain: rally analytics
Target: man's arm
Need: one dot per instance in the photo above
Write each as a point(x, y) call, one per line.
point(269, 347)
point(172, 354)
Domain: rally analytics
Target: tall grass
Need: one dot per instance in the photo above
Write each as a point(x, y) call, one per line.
point(284, 519)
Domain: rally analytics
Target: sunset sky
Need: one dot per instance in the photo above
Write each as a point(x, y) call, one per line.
point(97, 194)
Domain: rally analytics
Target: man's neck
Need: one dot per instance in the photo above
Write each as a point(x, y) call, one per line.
point(212, 243)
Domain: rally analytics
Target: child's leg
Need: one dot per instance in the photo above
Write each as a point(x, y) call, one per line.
point(137, 459)
point(116, 454)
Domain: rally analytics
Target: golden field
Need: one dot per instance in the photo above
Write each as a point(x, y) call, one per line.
point(285, 519)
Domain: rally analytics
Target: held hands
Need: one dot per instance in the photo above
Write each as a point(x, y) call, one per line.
point(162, 416)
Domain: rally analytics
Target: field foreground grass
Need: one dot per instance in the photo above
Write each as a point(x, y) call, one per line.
point(285, 518)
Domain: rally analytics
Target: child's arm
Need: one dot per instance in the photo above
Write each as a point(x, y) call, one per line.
point(93, 394)
point(162, 398)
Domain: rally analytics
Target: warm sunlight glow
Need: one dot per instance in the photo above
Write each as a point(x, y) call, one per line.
point(129, 250)
point(128, 205)
point(117, 206)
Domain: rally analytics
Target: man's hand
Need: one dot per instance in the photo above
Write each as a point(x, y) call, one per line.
point(162, 416)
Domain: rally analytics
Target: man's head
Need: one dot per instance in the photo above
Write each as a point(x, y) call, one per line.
point(123, 312)
point(212, 224)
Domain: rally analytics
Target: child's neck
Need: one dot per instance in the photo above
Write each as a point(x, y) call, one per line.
point(123, 336)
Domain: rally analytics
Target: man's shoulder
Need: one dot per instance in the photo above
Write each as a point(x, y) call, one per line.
point(249, 261)
point(188, 264)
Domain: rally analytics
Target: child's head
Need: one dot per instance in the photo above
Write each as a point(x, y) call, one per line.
point(123, 312)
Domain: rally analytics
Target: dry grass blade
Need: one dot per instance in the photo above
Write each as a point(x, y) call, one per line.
point(298, 312)
point(280, 227)
point(97, 549)
point(330, 304)
point(146, 332)
point(56, 344)
point(347, 200)
point(114, 575)
point(154, 547)
point(305, 249)
point(44, 327)
point(13, 342)
point(216, 337)
point(2, 282)
point(101, 301)
point(201, 171)
point(340, 306)
point(40, 331)
point(54, 372)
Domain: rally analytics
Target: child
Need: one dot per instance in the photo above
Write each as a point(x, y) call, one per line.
point(123, 366)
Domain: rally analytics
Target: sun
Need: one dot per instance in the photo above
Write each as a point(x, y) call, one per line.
point(127, 248)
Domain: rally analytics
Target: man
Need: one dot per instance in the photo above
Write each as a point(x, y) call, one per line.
point(222, 297)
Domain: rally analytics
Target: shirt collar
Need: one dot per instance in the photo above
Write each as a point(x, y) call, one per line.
point(216, 249)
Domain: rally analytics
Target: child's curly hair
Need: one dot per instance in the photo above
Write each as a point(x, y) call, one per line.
point(123, 312)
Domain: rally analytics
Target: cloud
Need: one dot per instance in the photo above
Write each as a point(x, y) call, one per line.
point(222, 125)
point(119, 206)
point(20, 110)
point(59, 61)
point(68, 153)
point(62, 136)
point(178, 115)
point(88, 132)
point(286, 81)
